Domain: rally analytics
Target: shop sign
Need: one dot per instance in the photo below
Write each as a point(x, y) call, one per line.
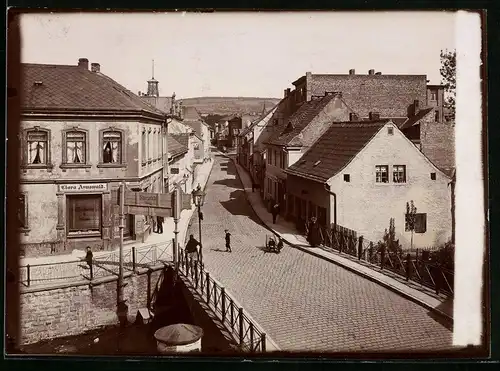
point(83, 187)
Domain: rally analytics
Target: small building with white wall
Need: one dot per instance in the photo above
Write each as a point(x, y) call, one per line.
point(359, 175)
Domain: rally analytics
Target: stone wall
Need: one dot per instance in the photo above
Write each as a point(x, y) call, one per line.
point(65, 310)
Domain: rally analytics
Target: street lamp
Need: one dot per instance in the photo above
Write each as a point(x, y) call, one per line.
point(198, 199)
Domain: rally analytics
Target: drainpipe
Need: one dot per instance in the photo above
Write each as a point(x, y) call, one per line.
point(327, 188)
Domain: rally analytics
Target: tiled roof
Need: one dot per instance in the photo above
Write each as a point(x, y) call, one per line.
point(162, 103)
point(191, 114)
point(286, 135)
point(390, 95)
point(335, 149)
point(414, 119)
point(174, 147)
point(182, 138)
point(73, 87)
point(256, 121)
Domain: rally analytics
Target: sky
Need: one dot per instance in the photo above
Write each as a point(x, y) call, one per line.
point(248, 54)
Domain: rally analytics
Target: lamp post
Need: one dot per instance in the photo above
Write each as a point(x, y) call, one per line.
point(198, 199)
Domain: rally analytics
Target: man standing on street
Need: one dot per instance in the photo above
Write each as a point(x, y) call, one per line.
point(191, 251)
point(159, 224)
point(228, 241)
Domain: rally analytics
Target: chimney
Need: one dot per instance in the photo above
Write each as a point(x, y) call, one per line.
point(378, 73)
point(416, 106)
point(371, 72)
point(353, 117)
point(374, 116)
point(286, 93)
point(352, 71)
point(84, 63)
point(95, 67)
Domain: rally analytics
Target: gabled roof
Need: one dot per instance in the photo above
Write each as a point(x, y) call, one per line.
point(182, 138)
point(414, 119)
point(46, 86)
point(174, 147)
point(287, 131)
point(335, 149)
point(191, 114)
point(257, 121)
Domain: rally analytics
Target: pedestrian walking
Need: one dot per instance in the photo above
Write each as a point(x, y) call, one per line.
point(228, 241)
point(275, 211)
point(88, 258)
point(159, 224)
point(191, 252)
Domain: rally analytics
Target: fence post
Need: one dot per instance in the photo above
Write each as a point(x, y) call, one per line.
point(196, 274)
point(252, 349)
point(28, 274)
point(240, 314)
point(370, 252)
point(214, 286)
point(133, 258)
point(208, 287)
point(223, 298)
point(341, 241)
point(232, 314)
point(360, 247)
point(382, 257)
point(91, 266)
point(263, 342)
point(408, 266)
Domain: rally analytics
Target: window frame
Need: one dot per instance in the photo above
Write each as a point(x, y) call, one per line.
point(64, 163)
point(144, 146)
point(347, 178)
point(387, 173)
point(25, 148)
point(394, 172)
point(72, 235)
point(149, 146)
point(418, 220)
point(123, 162)
point(26, 227)
point(434, 95)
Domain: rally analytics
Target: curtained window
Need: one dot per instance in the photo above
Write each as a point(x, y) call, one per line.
point(37, 147)
point(382, 174)
point(112, 147)
point(75, 147)
point(399, 174)
point(84, 214)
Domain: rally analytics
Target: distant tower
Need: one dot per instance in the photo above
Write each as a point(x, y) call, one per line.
point(153, 84)
point(263, 109)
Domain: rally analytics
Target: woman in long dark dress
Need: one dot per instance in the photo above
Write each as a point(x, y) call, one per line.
point(314, 236)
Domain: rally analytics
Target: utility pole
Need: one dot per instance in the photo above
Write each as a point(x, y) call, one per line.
point(121, 307)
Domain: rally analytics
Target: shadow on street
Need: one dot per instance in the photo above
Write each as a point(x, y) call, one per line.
point(232, 183)
point(237, 205)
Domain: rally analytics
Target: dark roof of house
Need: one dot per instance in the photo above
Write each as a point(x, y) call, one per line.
point(174, 147)
point(182, 138)
point(287, 135)
point(47, 86)
point(162, 103)
point(412, 120)
point(335, 149)
point(191, 113)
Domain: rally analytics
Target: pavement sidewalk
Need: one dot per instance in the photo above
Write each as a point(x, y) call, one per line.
point(411, 290)
point(155, 238)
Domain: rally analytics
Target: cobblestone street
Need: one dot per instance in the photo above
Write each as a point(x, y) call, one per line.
point(304, 303)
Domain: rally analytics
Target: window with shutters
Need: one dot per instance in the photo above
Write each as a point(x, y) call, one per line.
point(37, 148)
point(420, 223)
point(112, 153)
point(75, 148)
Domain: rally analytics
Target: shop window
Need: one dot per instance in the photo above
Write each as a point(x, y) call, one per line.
point(37, 152)
point(84, 213)
point(75, 148)
point(382, 174)
point(399, 174)
point(112, 147)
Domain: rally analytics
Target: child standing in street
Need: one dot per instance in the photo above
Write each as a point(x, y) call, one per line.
point(228, 241)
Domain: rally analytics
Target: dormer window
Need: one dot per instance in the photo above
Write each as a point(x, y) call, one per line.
point(390, 130)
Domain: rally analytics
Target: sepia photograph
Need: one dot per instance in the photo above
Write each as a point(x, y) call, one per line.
point(247, 184)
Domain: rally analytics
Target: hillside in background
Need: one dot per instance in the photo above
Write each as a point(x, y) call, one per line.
point(230, 105)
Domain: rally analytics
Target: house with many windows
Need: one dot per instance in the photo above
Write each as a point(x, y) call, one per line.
point(361, 174)
point(83, 134)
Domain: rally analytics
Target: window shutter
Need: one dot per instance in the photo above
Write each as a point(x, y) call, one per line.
point(420, 223)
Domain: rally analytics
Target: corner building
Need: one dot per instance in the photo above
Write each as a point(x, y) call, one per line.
point(82, 134)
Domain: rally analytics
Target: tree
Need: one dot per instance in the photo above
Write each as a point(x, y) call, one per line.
point(448, 72)
point(411, 212)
